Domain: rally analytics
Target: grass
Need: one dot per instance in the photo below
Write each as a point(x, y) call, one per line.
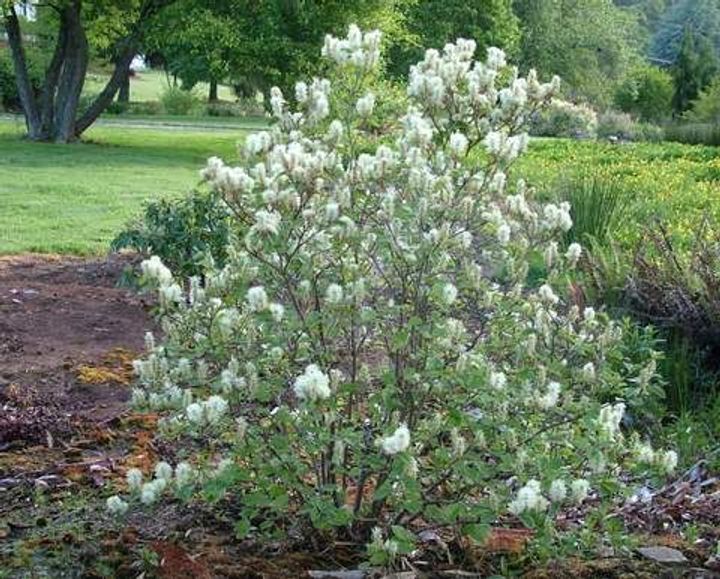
point(149, 86)
point(74, 199)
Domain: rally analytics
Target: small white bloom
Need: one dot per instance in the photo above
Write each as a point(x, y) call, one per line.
point(547, 295)
point(194, 413)
point(116, 505)
point(588, 372)
point(154, 269)
point(257, 298)
point(163, 471)
point(498, 380)
point(551, 397)
point(134, 478)
point(277, 311)
point(365, 105)
point(503, 234)
point(558, 491)
point(529, 498)
point(610, 417)
point(668, 461)
point(573, 253)
point(458, 144)
point(334, 294)
point(267, 222)
point(579, 489)
point(313, 384)
point(184, 474)
point(449, 294)
point(398, 442)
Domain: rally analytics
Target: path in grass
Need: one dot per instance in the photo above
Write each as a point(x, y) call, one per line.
point(75, 198)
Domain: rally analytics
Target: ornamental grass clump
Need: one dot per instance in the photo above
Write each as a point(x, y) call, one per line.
point(370, 361)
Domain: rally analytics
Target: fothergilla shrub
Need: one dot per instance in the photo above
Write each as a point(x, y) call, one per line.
point(370, 360)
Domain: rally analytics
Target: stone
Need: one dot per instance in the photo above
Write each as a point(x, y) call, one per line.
point(664, 555)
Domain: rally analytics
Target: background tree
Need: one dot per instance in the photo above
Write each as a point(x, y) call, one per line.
point(646, 93)
point(702, 17)
point(255, 44)
point(694, 69)
point(434, 23)
point(119, 25)
point(591, 44)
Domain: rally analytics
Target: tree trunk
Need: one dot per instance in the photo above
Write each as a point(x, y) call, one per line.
point(24, 86)
point(213, 98)
point(72, 77)
point(52, 76)
point(124, 92)
point(55, 116)
point(122, 66)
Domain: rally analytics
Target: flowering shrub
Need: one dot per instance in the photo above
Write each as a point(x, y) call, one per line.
point(370, 359)
point(565, 119)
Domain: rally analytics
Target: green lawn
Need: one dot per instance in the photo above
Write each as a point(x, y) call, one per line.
point(75, 198)
point(149, 86)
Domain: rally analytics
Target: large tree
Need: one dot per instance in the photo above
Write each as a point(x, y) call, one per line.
point(591, 44)
point(434, 23)
point(53, 114)
point(701, 17)
point(258, 43)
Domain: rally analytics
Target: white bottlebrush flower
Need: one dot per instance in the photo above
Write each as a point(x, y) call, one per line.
point(332, 211)
point(558, 491)
point(195, 413)
point(503, 233)
point(551, 254)
point(547, 295)
point(116, 506)
point(529, 498)
point(163, 471)
point(551, 396)
point(277, 311)
point(155, 270)
point(313, 384)
point(257, 299)
point(496, 58)
point(335, 130)
point(398, 442)
point(574, 251)
point(267, 222)
point(215, 408)
point(134, 478)
point(610, 417)
point(458, 144)
point(579, 490)
point(170, 294)
point(334, 294)
point(498, 380)
point(668, 460)
point(151, 491)
point(449, 294)
point(365, 105)
point(645, 453)
point(588, 372)
point(184, 474)
point(589, 314)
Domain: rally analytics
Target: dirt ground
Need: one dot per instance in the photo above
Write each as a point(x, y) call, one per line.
point(58, 319)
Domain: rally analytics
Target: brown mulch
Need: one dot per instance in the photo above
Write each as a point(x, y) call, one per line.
point(67, 335)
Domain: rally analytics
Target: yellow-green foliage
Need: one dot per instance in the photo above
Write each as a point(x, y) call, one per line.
point(676, 183)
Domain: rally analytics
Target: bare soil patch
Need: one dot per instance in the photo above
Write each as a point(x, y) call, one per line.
point(61, 318)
